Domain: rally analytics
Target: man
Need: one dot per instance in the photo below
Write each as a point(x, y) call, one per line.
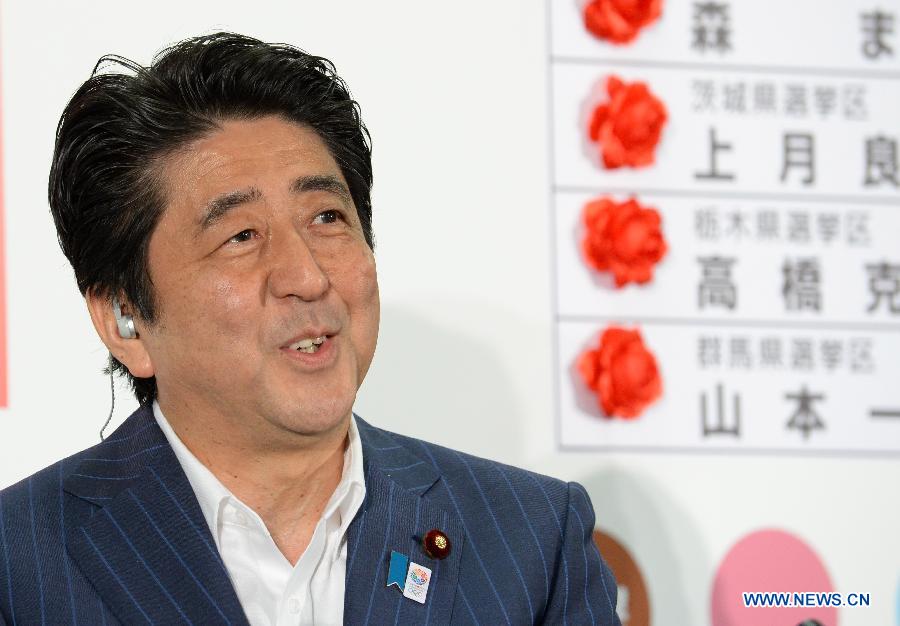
point(215, 209)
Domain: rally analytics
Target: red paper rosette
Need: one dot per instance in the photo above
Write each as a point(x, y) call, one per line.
point(624, 238)
point(628, 126)
point(622, 372)
point(619, 21)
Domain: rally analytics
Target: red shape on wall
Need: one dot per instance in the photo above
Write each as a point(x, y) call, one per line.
point(4, 397)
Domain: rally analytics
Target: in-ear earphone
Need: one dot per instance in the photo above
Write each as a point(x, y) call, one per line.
point(126, 331)
point(124, 322)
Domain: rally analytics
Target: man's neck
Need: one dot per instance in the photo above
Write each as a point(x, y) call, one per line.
point(288, 486)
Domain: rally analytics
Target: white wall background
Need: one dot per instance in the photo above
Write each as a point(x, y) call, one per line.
point(455, 96)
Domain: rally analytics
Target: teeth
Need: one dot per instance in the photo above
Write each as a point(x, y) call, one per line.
point(308, 345)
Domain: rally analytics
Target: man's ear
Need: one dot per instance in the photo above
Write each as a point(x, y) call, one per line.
point(132, 353)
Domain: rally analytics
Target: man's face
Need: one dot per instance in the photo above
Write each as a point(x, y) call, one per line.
point(259, 249)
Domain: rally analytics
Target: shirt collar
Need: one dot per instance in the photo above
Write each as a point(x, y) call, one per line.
point(348, 496)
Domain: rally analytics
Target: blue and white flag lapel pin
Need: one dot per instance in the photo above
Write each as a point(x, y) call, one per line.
point(411, 578)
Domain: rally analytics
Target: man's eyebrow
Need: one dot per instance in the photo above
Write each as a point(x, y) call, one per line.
point(323, 182)
point(217, 207)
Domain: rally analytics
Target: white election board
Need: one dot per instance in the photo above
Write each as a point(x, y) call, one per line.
point(775, 315)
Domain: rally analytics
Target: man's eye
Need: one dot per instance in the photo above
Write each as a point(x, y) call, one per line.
point(243, 236)
point(327, 217)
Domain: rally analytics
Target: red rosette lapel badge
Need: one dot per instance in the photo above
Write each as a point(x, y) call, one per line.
point(622, 372)
point(620, 21)
point(629, 125)
point(624, 238)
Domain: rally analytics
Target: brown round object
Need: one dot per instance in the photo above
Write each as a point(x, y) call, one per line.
point(436, 544)
point(633, 601)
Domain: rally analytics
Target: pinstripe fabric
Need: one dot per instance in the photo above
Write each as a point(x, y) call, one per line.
point(523, 541)
point(114, 535)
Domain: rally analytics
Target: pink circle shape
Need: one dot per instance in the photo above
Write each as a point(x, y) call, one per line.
point(769, 561)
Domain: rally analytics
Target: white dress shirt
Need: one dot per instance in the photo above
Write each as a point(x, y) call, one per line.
point(271, 590)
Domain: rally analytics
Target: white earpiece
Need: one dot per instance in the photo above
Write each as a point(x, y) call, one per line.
point(124, 322)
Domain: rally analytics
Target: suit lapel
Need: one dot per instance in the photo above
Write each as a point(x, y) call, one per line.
point(395, 516)
point(137, 533)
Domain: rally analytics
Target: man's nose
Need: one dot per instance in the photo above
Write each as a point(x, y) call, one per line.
point(296, 270)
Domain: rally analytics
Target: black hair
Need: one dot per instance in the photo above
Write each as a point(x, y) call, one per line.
point(105, 194)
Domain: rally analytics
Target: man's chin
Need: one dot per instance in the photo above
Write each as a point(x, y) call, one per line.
point(315, 420)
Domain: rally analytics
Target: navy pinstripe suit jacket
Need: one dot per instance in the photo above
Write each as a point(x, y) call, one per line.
point(115, 534)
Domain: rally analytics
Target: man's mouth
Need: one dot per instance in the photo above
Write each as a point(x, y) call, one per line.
point(310, 346)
